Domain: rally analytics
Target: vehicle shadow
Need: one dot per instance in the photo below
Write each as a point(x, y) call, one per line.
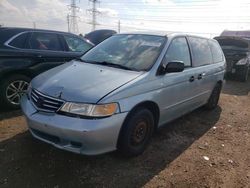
point(26, 162)
point(232, 87)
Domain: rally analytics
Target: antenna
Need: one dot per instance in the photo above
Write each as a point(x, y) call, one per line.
point(72, 18)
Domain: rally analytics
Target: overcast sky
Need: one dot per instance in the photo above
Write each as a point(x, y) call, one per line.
point(205, 17)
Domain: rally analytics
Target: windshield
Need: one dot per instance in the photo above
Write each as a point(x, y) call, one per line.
point(135, 52)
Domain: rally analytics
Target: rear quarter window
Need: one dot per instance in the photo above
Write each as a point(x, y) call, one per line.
point(19, 41)
point(201, 52)
point(216, 51)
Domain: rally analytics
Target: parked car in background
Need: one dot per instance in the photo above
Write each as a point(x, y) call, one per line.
point(100, 35)
point(236, 48)
point(237, 53)
point(25, 53)
point(122, 90)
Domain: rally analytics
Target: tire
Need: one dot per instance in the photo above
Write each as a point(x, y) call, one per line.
point(244, 76)
point(214, 97)
point(11, 90)
point(136, 132)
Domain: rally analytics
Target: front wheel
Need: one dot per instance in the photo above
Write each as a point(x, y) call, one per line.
point(214, 97)
point(244, 75)
point(11, 90)
point(136, 132)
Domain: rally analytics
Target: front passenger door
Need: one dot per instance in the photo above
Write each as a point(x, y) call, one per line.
point(179, 88)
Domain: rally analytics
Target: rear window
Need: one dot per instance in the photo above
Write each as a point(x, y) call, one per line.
point(216, 51)
point(200, 51)
point(19, 41)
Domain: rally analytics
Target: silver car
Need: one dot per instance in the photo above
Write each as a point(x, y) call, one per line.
point(117, 94)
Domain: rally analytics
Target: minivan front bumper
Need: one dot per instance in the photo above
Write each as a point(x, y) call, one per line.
point(84, 136)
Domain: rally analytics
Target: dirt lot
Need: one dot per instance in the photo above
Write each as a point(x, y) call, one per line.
point(175, 158)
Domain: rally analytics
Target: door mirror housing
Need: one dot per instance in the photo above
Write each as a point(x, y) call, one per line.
point(173, 66)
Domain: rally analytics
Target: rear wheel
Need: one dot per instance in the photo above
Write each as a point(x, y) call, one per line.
point(11, 90)
point(214, 97)
point(136, 132)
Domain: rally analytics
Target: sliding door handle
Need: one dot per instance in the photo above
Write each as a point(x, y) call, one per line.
point(199, 77)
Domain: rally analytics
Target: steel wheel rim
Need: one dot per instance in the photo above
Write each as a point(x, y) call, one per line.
point(140, 132)
point(15, 91)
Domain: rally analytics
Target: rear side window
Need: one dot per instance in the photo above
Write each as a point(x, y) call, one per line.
point(201, 51)
point(44, 41)
point(19, 41)
point(76, 45)
point(179, 51)
point(216, 51)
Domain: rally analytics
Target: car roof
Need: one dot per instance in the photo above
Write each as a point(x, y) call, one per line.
point(169, 34)
point(156, 33)
point(20, 29)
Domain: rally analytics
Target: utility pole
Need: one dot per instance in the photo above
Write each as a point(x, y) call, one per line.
point(72, 17)
point(119, 26)
point(34, 25)
point(94, 12)
point(68, 22)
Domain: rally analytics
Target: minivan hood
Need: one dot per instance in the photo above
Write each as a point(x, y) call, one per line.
point(82, 82)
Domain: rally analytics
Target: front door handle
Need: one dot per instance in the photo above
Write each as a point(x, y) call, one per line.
point(200, 76)
point(191, 79)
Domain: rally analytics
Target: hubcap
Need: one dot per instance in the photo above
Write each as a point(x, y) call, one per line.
point(15, 90)
point(140, 132)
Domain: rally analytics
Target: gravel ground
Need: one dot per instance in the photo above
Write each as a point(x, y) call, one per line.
point(201, 149)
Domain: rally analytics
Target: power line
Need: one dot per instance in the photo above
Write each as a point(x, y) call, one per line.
point(178, 20)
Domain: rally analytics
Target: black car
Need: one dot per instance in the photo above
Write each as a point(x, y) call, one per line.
point(236, 48)
point(100, 35)
point(25, 53)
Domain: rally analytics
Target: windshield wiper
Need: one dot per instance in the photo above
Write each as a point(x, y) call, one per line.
point(105, 63)
point(79, 59)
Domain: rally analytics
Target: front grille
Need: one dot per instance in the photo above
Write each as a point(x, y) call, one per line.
point(45, 103)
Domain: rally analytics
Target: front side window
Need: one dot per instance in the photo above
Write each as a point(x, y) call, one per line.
point(133, 51)
point(44, 41)
point(201, 51)
point(76, 45)
point(179, 51)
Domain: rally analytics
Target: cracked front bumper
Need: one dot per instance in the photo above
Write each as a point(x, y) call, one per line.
point(84, 136)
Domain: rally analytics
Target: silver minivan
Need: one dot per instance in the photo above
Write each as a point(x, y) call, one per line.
point(117, 94)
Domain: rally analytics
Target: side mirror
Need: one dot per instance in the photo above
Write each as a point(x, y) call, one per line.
point(173, 66)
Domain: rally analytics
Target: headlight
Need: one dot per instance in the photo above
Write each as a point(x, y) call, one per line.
point(242, 62)
point(91, 110)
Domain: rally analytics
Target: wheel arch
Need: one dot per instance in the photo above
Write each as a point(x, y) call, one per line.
point(12, 72)
point(151, 106)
